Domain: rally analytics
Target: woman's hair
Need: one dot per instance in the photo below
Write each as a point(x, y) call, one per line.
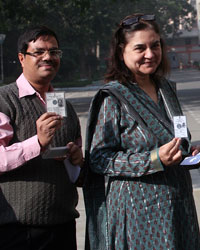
point(117, 70)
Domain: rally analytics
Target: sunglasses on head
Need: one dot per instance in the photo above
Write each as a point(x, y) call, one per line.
point(135, 20)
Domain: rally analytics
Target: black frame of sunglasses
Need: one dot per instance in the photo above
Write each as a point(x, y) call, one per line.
point(135, 20)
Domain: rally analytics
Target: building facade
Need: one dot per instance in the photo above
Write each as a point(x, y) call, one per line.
point(184, 50)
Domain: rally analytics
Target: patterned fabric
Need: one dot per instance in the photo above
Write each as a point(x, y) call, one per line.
point(39, 192)
point(130, 203)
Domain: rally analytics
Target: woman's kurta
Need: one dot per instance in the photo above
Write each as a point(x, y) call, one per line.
point(133, 202)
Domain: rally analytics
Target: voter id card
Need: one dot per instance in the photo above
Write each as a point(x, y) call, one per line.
point(180, 126)
point(55, 102)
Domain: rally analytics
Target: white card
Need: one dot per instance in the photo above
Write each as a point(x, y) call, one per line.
point(180, 126)
point(55, 102)
point(57, 152)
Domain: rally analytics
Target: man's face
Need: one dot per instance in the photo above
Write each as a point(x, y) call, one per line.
point(40, 69)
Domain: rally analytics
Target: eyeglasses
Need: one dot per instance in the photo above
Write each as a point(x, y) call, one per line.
point(135, 20)
point(56, 53)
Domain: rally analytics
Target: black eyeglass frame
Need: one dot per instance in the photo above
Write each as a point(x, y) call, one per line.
point(34, 54)
point(135, 20)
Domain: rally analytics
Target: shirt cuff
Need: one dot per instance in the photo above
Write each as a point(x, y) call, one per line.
point(155, 160)
point(31, 148)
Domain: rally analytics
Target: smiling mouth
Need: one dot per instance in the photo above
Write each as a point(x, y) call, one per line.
point(149, 63)
point(46, 66)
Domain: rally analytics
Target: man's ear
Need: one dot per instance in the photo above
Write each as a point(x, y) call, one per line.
point(21, 58)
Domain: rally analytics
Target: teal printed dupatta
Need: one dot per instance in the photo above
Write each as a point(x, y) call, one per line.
point(94, 188)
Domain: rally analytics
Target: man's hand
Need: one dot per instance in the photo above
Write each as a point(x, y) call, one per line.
point(195, 150)
point(170, 153)
point(47, 125)
point(75, 154)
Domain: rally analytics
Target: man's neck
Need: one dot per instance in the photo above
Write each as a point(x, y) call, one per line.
point(41, 88)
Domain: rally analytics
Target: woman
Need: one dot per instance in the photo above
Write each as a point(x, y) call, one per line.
point(146, 200)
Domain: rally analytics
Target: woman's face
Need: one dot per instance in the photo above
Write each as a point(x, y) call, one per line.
point(142, 54)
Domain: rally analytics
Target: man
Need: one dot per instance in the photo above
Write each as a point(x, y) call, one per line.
point(37, 198)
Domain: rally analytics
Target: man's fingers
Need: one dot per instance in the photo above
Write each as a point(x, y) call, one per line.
point(49, 117)
point(75, 154)
point(46, 127)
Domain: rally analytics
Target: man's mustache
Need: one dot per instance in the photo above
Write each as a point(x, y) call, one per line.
point(49, 63)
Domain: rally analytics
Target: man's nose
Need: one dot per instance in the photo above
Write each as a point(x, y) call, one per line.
point(47, 55)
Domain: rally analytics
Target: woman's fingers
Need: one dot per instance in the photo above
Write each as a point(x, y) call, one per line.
point(170, 153)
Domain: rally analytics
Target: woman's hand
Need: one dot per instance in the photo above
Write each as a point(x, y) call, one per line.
point(170, 153)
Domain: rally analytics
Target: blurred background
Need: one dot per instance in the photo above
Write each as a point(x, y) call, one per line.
point(85, 27)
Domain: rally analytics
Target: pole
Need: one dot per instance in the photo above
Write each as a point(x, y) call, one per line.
point(2, 37)
point(198, 18)
point(2, 76)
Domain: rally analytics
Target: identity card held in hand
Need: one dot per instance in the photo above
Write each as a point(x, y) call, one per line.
point(180, 126)
point(55, 102)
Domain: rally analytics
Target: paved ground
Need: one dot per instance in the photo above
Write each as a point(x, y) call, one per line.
point(81, 99)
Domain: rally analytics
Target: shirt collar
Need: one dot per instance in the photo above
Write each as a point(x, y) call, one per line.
point(25, 88)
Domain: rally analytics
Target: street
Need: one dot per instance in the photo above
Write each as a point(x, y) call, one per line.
point(188, 90)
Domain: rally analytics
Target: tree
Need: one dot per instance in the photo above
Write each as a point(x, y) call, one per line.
point(85, 26)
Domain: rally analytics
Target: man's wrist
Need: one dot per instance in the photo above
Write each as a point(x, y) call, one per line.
point(82, 163)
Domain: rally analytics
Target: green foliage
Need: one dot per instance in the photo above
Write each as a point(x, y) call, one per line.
point(83, 27)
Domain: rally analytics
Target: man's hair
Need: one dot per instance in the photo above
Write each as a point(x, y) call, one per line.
point(32, 34)
point(117, 70)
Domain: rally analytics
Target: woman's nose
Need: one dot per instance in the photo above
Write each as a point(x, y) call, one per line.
point(149, 53)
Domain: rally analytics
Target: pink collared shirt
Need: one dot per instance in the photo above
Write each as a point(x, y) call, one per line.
point(17, 154)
